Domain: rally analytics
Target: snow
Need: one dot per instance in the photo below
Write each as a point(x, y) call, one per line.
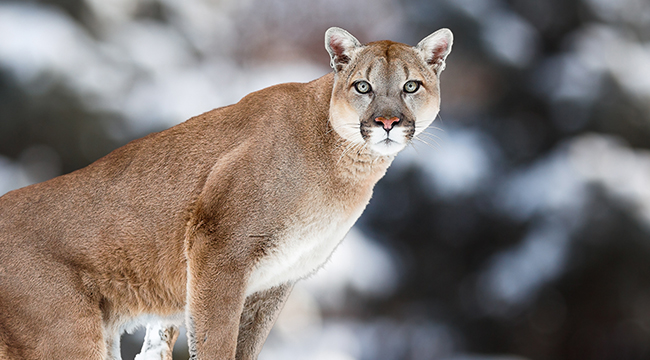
point(554, 194)
point(513, 277)
point(456, 161)
point(155, 345)
point(140, 69)
point(509, 37)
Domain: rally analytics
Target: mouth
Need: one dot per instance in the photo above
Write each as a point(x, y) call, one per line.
point(386, 140)
point(386, 146)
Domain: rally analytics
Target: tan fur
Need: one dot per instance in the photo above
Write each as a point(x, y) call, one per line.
point(177, 222)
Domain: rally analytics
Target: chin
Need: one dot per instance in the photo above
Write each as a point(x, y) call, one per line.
point(387, 147)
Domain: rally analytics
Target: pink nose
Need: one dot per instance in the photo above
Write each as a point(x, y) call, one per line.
point(388, 123)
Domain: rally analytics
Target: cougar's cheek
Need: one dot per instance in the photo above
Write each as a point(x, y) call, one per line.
point(425, 116)
point(345, 121)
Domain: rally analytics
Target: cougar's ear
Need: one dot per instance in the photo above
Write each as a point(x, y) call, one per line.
point(435, 48)
point(340, 44)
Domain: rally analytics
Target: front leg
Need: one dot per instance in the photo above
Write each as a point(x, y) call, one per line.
point(259, 314)
point(216, 285)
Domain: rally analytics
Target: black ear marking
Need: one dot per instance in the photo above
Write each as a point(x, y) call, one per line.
point(341, 46)
point(436, 47)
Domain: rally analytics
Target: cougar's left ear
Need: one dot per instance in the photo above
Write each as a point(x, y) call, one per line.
point(341, 45)
point(435, 48)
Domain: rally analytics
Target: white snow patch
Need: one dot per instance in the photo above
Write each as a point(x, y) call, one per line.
point(458, 163)
point(514, 276)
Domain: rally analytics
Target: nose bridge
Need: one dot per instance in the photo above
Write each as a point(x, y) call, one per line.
point(388, 106)
point(388, 102)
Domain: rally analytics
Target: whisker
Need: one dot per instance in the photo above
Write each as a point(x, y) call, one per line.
point(350, 147)
point(361, 148)
point(437, 147)
point(425, 128)
point(436, 128)
point(441, 120)
point(431, 127)
point(412, 144)
point(430, 136)
point(341, 143)
point(344, 126)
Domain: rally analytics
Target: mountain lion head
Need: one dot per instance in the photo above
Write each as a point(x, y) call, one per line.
point(385, 93)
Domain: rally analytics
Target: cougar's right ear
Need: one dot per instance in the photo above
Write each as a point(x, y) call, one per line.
point(340, 44)
point(435, 48)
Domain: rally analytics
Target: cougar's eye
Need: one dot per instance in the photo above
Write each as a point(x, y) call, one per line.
point(411, 86)
point(363, 87)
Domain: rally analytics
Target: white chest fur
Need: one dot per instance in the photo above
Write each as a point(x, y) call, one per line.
point(305, 247)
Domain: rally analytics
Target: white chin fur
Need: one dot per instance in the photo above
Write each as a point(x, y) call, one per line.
point(386, 144)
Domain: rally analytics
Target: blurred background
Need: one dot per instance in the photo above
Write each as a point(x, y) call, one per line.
point(517, 228)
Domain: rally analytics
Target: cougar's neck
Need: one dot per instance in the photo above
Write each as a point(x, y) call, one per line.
point(356, 162)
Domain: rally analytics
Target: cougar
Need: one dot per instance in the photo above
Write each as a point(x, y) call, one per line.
point(209, 224)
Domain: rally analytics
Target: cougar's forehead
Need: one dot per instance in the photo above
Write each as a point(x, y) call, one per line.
point(390, 61)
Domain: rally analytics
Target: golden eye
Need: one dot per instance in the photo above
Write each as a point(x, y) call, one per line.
point(363, 87)
point(411, 86)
